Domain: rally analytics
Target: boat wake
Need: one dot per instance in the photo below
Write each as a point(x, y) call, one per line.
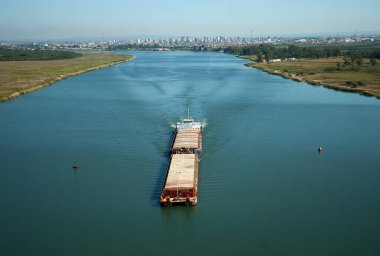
point(203, 123)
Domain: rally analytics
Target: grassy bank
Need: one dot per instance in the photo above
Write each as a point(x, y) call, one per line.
point(323, 71)
point(20, 77)
point(7, 54)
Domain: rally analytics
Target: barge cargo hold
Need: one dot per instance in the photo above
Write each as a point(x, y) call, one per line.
point(181, 183)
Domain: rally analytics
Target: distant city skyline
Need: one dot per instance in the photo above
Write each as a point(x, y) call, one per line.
point(39, 20)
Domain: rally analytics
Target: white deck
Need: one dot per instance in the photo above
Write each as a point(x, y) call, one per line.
point(181, 171)
point(189, 125)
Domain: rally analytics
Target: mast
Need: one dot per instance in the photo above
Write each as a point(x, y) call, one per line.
point(188, 113)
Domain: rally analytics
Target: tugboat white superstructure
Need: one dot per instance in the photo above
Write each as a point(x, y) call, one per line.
point(181, 183)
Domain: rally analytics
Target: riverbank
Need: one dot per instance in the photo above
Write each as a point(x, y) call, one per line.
point(21, 77)
point(323, 72)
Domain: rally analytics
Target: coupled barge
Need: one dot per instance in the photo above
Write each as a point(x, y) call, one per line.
point(181, 182)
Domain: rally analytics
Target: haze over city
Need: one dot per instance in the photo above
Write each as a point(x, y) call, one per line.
point(38, 20)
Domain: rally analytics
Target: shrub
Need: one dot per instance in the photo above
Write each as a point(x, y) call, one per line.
point(354, 84)
point(330, 69)
point(354, 68)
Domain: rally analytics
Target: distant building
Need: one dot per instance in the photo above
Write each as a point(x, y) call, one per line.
point(349, 40)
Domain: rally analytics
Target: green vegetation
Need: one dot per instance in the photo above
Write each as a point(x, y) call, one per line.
point(20, 77)
point(346, 67)
point(340, 73)
point(357, 51)
point(286, 51)
point(7, 54)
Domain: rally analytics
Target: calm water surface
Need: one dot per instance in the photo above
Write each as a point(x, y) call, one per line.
point(264, 189)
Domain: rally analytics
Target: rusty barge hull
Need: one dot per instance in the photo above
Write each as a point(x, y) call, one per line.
point(181, 182)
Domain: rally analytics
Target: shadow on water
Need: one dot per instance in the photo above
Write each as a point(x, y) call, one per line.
point(181, 211)
point(161, 174)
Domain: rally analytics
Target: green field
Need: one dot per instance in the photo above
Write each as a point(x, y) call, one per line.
point(20, 77)
point(36, 54)
point(364, 79)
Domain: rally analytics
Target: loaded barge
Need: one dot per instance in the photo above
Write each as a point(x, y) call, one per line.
point(181, 182)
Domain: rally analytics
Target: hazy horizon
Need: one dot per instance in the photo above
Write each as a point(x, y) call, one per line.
point(42, 20)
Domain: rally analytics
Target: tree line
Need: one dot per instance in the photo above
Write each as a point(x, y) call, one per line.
point(7, 54)
point(294, 51)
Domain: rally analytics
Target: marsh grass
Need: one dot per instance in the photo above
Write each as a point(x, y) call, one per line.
point(19, 77)
point(364, 79)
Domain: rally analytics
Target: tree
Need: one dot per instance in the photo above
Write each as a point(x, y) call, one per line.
point(338, 66)
point(259, 57)
point(359, 61)
point(352, 57)
point(268, 54)
point(294, 51)
point(373, 61)
point(346, 62)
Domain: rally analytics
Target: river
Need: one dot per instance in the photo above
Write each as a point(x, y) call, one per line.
point(263, 187)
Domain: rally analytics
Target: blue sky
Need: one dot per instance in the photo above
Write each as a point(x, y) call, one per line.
point(51, 19)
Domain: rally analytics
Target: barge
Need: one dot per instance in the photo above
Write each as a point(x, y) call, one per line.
point(181, 182)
